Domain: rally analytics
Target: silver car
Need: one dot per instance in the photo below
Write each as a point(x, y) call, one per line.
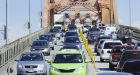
point(41, 45)
point(32, 63)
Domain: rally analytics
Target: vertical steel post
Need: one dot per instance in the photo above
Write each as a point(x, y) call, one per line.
point(130, 13)
point(29, 23)
point(5, 31)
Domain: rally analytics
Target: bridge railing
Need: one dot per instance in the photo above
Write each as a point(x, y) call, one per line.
point(135, 31)
point(10, 51)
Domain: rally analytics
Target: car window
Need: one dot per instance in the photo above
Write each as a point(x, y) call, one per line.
point(57, 27)
point(138, 44)
point(45, 37)
point(121, 49)
point(40, 43)
point(68, 58)
point(109, 45)
point(70, 47)
point(32, 57)
point(72, 40)
point(71, 34)
point(132, 55)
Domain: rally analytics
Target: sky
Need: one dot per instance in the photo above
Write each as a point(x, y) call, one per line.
point(18, 16)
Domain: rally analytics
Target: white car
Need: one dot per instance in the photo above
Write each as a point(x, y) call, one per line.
point(106, 48)
point(109, 30)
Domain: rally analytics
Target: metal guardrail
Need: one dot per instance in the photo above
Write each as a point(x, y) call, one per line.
point(135, 31)
point(10, 51)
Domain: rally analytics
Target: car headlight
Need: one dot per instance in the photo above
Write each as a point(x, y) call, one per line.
point(41, 66)
point(33, 49)
point(20, 66)
point(45, 50)
point(79, 69)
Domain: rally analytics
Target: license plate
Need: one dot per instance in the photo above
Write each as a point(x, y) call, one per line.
point(31, 70)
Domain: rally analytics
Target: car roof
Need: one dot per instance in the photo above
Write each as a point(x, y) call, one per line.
point(40, 41)
point(114, 73)
point(111, 40)
point(33, 52)
point(123, 46)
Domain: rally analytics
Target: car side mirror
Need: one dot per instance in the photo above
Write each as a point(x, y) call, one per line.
point(62, 41)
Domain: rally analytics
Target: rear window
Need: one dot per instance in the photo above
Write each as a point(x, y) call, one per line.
point(121, 49)
point(131, 55)
point(40, 43)
point(109, 45)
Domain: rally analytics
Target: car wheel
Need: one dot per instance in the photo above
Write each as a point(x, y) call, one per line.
point(52, 48)
point(58, 38)
point(101, 60)
point(55, 43)
point(111, 66)
point(98, 53)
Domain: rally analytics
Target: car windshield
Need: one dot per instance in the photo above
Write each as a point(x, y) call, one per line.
point(57, 27)
point(72, 28)
point(93, 29)
point(54, 30)
point(71, 34)
point(109, 45)
point(121, 49)
point(87, 26)
point(45, 37)
point(72, 40)
point(32, 57)
point(68, 58)
point(131, 55)
point(40, 43)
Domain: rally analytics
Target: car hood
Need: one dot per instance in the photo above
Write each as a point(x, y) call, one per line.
point(68, 65)
point(31, 62)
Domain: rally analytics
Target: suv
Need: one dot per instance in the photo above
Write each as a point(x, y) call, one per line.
point(32, 63)
point(130, 62)
point(69, 62)
point(106, 47)
point(116, 53)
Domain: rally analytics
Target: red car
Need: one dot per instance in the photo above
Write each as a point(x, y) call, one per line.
point(116, 53)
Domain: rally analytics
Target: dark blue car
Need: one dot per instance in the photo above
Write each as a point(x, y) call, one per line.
point(72, 40)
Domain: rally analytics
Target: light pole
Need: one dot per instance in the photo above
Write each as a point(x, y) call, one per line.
point(5, 27)
point(130, 13)
point(41, 24)
point(29, 22)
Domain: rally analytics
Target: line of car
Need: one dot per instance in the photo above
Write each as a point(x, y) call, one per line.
point(69, 60)
point(121, 57)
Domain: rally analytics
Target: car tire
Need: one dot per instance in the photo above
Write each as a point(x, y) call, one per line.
point(101, 60)
point(52, 48)
point(98, 53)
point(58, 38)
point(111, 66)
point(55, 43)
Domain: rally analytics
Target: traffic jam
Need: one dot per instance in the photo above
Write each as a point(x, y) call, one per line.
point(112, 45)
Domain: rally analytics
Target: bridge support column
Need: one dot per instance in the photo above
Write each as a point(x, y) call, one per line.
point(109, 12)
